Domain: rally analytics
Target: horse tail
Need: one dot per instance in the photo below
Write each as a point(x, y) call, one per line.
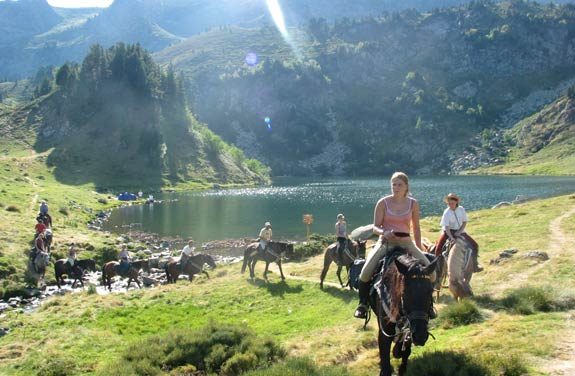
point(246, 257)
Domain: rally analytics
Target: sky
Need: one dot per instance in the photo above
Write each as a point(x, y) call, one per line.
point(80, 3)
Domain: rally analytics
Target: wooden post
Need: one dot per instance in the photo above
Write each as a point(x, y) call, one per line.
point(308, 220)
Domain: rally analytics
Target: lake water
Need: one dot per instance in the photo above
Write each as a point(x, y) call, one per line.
point(235, 213)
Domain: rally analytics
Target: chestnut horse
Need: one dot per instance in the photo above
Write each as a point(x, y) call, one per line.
point(402, 305)
point(77, 272)
point(273, 253)
point(352, 251)
point(111, 269)
point(194, 265)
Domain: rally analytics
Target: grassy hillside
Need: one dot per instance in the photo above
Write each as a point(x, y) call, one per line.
point(86, 333)
point(542, 144)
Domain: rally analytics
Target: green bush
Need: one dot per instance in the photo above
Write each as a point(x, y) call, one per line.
point(57, 366)
point(63, 211)
point(508, 365)
point(308, 249)
point(451, 363)
point(528, 300)
point(214, 349)
point(106, 254)
point(13, 208)
point(11, 289)
point(299, 367)
point(463, 313)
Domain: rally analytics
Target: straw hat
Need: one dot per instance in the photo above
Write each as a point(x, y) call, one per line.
point(340, 216)
point(451, 196)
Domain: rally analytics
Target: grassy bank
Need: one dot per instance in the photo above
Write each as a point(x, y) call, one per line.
point(86, 333)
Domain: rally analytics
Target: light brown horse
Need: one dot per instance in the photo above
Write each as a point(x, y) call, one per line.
point(460, 269)
point(111, 269)
point(37, 268)
point(352, 251)
point(273, 253)
point(194, 265)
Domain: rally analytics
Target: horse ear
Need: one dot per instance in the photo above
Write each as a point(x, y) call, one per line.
point(403, 269)
point(431, 267)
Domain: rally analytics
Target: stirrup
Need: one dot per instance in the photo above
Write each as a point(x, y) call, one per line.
point(360, 312)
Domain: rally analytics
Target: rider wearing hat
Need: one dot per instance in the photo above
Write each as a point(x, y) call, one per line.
point(453, 223)
point(265, 237)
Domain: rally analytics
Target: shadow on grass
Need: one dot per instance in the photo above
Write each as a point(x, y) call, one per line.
point(279, 288)
point(346, 294)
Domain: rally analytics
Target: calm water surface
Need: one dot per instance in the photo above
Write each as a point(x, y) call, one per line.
point(234, 213)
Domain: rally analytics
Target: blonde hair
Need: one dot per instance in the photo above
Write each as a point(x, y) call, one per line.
point(403, 177)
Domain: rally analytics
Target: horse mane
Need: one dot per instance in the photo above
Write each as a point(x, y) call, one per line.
point(394, 281)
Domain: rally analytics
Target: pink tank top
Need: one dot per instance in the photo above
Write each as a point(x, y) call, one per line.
point(398, 222)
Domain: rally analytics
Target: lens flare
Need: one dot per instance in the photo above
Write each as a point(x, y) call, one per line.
point(251, 59)
point(277, 15)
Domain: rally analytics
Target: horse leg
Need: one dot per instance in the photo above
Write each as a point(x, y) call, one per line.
point(339, 275)
point(404, 356)
point(281, 271)
point(348, 283)
point(206, 273)
point(384, 344)
point(326, 263)
point(252, 266)
point(266, 270)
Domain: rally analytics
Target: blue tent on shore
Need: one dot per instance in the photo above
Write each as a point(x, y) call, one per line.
point(127, 196)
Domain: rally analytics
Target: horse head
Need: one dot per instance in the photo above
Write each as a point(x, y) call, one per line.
point(416, 296)
point(207, 259)
point(90, 265)
point(42, 260)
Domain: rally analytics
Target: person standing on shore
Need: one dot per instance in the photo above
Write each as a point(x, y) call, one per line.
point(394, 216)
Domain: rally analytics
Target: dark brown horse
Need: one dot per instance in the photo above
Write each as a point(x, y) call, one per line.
point(406, 291)
point(352, 251)
point(112, 269)
point(194, 265)
point(273, 253)
point(77, 272)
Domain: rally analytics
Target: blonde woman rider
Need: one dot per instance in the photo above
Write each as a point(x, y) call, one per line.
point(393, 218)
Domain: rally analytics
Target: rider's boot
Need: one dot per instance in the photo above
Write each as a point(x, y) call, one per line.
point(476, 267)
point(362, 308)
point(432, 311)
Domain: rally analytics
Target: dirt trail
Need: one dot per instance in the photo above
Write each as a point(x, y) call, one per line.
point(563, 361)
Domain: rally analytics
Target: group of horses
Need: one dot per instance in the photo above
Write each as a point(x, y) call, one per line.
point(111, 269)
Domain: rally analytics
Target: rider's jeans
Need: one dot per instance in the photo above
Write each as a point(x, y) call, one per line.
point(380, 250)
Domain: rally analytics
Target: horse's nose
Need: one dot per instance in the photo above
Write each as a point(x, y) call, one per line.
point(420, 337)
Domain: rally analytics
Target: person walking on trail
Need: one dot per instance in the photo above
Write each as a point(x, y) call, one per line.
point(265, 237)
point(394, 216)
point(341, 233)
point(187, 253)
point(453, 223)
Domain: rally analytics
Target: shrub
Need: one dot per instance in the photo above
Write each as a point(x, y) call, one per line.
point(106, 254)
point(528, 300)
point(509, 365)
point(103, 201)
point(13, 208)
point(11, 289)
point(56, 365)
point(299, 367)
point(308, 249)
point(463, 313)
point(63, 211)
point(215, 349)
point(91, 289)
